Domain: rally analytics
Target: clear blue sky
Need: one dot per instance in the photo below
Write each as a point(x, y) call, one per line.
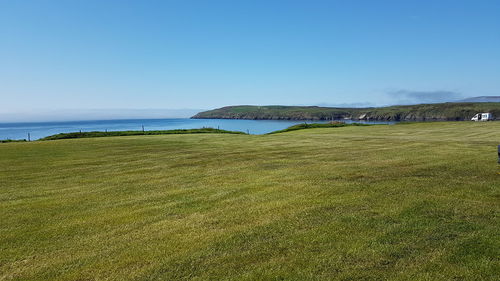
point(203, 54)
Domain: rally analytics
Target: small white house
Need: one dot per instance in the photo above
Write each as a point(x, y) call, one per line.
point(483, 117)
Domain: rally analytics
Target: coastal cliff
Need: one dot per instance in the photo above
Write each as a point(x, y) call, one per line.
point(420, 112)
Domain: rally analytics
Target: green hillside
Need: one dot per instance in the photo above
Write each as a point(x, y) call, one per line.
point(420, 112)
point(98, 134)
point(388, 202)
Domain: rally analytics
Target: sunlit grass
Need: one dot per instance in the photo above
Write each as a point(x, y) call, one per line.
point(412, 202)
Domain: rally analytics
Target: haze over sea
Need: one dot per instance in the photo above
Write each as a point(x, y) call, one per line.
point(42, 129)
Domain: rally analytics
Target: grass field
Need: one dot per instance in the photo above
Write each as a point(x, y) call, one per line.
point(390, 202)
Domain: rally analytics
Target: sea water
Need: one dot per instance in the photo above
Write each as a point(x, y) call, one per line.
point(42, 129)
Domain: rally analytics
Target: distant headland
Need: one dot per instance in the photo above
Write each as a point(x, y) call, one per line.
point(450, 111)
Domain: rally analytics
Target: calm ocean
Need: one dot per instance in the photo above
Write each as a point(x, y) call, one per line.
point(43, 129)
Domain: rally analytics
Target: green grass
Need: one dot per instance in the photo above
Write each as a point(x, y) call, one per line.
point(317, 125)
point(9, 140)
point(412, 202)
point(97, 134)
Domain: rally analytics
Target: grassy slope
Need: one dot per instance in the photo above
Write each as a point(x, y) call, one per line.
point(9, 140)
point(304, 126)
point(441, 111)
point(401, 202)
point(98, 134)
